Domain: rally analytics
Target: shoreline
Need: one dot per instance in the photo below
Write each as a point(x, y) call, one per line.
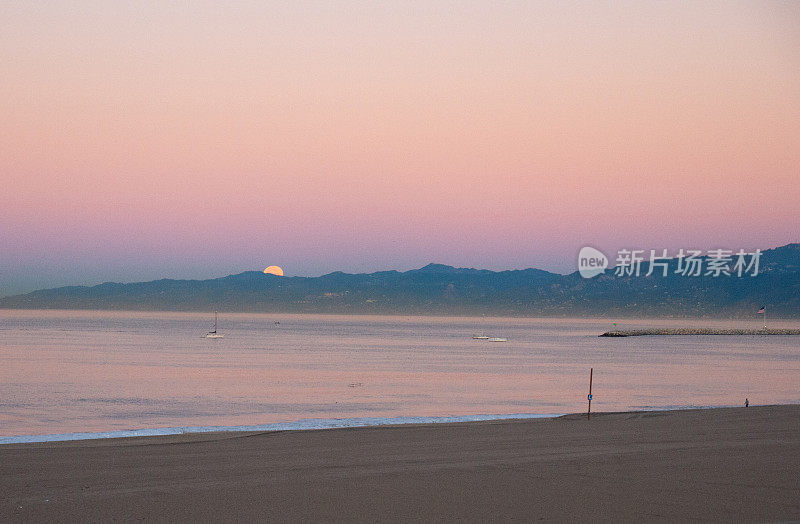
point(717, 464)
point(312, 424)
point(318, 424)
point(623, 317)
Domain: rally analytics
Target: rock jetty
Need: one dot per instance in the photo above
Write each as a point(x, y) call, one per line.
point(698, 331)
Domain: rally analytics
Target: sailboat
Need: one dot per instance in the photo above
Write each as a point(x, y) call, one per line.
point(214, 334)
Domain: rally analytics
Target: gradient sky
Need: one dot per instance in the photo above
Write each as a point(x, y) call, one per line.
point(141, 140)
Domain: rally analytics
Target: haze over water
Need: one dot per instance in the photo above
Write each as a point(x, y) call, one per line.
point(64, 372)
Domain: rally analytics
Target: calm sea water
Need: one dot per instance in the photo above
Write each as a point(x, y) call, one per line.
point(67, 371)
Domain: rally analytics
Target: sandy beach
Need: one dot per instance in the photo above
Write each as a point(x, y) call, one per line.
point(730, 464)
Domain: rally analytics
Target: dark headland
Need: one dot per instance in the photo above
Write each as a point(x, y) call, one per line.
point(437, 289)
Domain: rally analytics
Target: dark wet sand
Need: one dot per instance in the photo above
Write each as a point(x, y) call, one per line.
point(710, 465)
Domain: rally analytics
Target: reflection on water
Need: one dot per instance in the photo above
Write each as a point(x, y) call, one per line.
point(64, 372)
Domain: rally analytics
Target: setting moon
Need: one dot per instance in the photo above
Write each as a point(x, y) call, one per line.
point(274, 270)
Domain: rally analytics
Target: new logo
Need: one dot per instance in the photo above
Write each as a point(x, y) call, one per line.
point(591, 262)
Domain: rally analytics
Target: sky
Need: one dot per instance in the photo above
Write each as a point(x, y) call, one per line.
point(143, 140)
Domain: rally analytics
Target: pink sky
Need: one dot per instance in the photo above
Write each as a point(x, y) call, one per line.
point(143, 140)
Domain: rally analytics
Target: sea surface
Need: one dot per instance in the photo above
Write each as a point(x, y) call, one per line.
point(67, 373)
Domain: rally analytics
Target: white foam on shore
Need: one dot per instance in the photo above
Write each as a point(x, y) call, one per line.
point(305, 424)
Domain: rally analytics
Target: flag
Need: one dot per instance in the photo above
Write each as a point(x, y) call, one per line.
point(761, 311)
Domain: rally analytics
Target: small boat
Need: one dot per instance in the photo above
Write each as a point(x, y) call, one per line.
point(214, 334)
point(498, 339)
point(480, 337)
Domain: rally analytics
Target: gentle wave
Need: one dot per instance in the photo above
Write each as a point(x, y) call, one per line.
point(305, 424)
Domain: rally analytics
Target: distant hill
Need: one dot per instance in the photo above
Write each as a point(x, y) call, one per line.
point(444, 290)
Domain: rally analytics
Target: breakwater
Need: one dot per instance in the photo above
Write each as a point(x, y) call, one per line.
point(698, 331)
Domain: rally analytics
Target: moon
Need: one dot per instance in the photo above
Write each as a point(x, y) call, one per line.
point(274, 270)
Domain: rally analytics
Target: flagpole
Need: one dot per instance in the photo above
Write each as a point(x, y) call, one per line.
point(765, 317)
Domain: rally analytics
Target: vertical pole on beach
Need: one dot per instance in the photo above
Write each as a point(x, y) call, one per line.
point(589, 412)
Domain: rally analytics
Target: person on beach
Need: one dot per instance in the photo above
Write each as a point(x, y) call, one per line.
point(746, 403)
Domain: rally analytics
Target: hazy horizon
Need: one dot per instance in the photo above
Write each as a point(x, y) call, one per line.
point(145, 141)
point(127, 280)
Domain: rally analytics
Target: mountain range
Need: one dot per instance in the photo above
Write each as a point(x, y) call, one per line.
point(438, 289)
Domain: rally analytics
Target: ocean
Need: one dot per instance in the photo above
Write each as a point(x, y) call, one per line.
point(84, 374)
